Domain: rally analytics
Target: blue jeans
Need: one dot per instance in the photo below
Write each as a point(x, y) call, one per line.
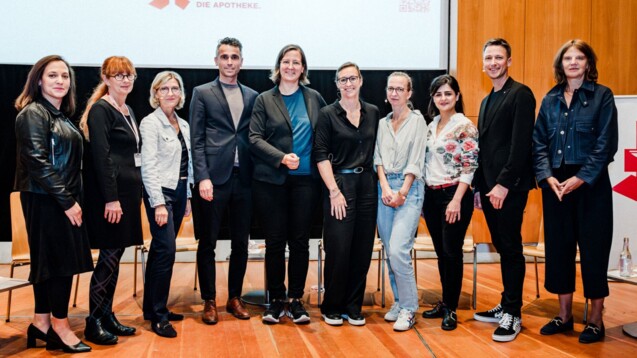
point(397, 228)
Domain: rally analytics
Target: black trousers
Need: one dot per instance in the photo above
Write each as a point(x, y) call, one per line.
point(235, 198)
point(286, 213)
point(505, 225)
point(161, 256)
point(52, 296)
point(448, 239)
point(585, 218)
point(104, 281)
point(349, 243)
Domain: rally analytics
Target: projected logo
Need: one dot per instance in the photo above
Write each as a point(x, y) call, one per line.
point(628, 186)
point(160, 4)
point(413, 5)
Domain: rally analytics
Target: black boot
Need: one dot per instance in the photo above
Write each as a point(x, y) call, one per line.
point(95, 332)
point(111, 324)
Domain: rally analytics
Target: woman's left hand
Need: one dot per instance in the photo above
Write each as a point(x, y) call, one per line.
point(161, 215)
point(397, 200)
point(452, 214)
point(188, 208)
point(570, 184)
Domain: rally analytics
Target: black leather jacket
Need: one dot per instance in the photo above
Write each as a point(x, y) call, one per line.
point(49, 153)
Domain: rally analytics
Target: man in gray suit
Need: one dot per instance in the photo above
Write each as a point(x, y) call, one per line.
point(219, 123)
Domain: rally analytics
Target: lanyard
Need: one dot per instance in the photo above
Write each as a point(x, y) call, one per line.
point(130, 124)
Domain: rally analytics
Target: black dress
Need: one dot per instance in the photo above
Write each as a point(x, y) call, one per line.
point(49, 149)
point(110, 174)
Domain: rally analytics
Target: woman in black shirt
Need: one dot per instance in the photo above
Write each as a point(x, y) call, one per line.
point(344, 150)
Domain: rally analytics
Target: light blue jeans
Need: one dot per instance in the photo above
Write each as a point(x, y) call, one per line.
point(397, 228)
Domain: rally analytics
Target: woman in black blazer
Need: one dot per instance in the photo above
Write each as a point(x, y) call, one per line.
point(286, 185)
point(113, 188)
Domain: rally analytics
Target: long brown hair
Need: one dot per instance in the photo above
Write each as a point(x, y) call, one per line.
point(32, 90)
point(111, 66)
point(591, 61)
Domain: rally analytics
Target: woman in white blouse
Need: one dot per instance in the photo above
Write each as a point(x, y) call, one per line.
point(399, 160)
point(450, 161)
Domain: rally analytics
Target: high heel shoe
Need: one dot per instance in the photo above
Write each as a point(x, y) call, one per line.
point(53, 342)
point(34, 333)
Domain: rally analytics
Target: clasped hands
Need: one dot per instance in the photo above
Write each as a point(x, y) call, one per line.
point(565, 187)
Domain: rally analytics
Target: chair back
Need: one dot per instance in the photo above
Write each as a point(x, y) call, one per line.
point(19, 239)
point(187, 230)
point(145, 226)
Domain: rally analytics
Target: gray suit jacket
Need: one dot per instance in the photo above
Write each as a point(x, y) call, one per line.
point(271, 132)
point(214, 138)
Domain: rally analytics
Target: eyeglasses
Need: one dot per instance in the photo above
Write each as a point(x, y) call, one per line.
point(398, 90)
point(164, 90)
point(351, 79)
point(288, 63)
point(121, 76)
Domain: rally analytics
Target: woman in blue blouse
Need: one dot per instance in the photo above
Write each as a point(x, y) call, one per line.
point(286, 185)
point(574, 141)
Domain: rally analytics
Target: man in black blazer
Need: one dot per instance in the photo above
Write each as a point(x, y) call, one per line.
point(504, 178)
point(219, 123)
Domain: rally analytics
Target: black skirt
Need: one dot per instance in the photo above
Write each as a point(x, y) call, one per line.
point(57, 248)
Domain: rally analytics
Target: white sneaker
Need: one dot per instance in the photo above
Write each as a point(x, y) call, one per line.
point(510, 327)
point(406, 320)
point(392, 314)
point(333, 319)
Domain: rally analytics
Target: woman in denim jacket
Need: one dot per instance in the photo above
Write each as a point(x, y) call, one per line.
point(574, 140)
point(166, 173)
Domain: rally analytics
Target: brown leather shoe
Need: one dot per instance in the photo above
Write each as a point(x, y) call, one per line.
point(210, 315)
point(236, 307)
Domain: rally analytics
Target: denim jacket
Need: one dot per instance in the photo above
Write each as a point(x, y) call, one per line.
point(583, 134)
point(161, 155)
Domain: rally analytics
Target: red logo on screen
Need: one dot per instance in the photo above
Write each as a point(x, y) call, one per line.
point(160, 4)
point(628, 186)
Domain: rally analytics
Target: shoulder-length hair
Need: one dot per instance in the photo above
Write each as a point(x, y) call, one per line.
point(275, 74)
point(438, 82)
point(161, 79)
point(111, 66)
point(591, 61)
point(32, 90)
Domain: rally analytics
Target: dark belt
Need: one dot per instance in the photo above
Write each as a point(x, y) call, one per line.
point(356, 170)
point(441, 186)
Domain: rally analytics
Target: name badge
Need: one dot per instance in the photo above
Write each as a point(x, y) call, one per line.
point(138, 159)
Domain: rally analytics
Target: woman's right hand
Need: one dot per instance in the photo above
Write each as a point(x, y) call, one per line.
point(74, 214)
point(387, 195)
point(113, 212)
point(291, 161)
point(161, 215)
point(338, 205)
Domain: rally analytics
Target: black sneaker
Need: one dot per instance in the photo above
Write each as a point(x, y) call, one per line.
point(164, 329)
point(333, 319)
point(297, 312)
point(355, 319)
point(592, 333)
point(449, 320)
point(510, 327)
point(274, 312)
point(557, 326)
point(493, 315)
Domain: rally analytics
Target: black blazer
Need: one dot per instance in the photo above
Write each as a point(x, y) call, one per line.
point(213, 136)
point(271, 133)
point(505, 140)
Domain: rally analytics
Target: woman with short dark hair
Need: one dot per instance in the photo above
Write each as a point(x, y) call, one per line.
point(286, 185)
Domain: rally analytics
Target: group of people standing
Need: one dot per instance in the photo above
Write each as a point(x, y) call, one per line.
point(274, 151)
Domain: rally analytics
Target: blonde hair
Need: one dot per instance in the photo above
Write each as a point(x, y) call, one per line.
point(111, 66)
point(162, 78)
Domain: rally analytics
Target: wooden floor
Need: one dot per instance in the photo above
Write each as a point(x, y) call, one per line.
point(234, 338)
